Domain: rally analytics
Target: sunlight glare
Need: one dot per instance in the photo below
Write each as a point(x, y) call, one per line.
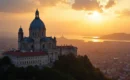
point(95, 37)
point(96, 40)
point(95, 16)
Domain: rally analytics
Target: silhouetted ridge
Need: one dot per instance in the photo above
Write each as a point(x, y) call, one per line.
point(117, 36)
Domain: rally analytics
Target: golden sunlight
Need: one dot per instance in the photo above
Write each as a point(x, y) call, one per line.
point(95, 16)
point(95, 37)
point(96, 40)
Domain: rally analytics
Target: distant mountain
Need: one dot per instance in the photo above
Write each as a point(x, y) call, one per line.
point(117, 36)
point(65, 41)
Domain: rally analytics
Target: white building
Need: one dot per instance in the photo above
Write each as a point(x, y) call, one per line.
point(37, 49)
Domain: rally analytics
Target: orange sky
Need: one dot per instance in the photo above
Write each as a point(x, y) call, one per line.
point(67, 17)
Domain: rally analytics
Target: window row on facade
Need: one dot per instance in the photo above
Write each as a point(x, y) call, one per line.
point(30, 58)
point(29, 62)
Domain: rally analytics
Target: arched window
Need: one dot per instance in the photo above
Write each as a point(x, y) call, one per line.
point(32, 46)
point(33, 34)
point(43, 46)
point(37, 34)
point(42, 33)
point(50, 45)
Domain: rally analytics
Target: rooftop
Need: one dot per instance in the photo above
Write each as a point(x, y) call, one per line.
point(24, 54)
point(67, 46)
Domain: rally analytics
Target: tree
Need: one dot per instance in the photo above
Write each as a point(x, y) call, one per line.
point(5, 61)
point(78, 67)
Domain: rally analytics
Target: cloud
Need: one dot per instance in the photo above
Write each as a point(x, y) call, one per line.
point(86, 5)
point(110, 3)
point(29, 5)
point(91, 5)
point(24, 5)
point(123, 13)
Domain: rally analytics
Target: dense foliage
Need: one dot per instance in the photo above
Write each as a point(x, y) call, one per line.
point(79, 68)
point(66, 68)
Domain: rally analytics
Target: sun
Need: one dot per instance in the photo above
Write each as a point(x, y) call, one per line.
point(95, 16)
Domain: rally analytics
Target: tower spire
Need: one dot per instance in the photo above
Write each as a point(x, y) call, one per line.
point(20, 29)
point(37, 14)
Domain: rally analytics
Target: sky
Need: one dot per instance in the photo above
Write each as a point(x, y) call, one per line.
point(66, 17)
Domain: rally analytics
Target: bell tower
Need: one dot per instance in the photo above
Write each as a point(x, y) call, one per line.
point(20, 37)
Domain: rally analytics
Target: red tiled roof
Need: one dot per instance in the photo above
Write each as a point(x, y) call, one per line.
point(24, 54)
point(66, 47)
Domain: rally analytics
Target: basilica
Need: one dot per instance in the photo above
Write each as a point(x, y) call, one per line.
point(37, 48)
point(37, 40)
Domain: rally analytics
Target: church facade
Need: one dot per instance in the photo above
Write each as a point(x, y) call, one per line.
point(37, 48)
point(37, 40)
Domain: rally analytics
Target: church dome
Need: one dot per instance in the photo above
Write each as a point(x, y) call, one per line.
point(37, 23)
